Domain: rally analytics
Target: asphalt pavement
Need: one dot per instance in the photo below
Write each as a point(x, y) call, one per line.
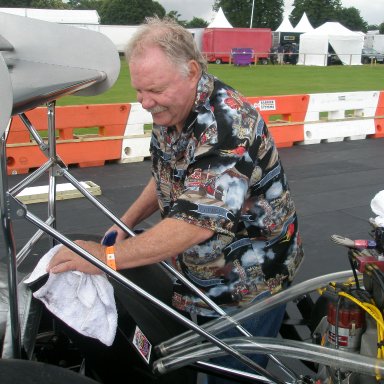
point(332, 184)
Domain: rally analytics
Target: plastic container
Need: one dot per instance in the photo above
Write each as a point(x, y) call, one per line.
point(242, 56)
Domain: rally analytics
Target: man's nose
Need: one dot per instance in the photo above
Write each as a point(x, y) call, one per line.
point(146, 101)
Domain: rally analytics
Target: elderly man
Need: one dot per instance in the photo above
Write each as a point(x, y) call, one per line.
point(228, 220)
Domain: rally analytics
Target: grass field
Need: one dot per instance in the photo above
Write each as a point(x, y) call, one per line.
point(262, 80)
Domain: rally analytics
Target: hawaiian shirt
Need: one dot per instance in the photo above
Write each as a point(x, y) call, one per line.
point(223, 172)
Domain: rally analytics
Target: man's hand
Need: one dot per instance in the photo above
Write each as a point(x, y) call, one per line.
point(121, 235)
point(66, 260)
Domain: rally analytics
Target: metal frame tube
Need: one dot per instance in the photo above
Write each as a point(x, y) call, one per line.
point(10, 250)
point(153, 300)
point(222, 324)
point(56, 168)
point(51, 113)
point(49, 227)
point(289, 348)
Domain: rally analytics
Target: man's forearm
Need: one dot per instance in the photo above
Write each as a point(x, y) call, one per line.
point(144, 206)
point(166, 239)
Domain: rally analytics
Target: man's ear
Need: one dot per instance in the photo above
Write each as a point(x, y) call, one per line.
point(194, 70)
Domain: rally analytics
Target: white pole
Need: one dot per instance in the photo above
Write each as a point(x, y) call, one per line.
point(253, 6)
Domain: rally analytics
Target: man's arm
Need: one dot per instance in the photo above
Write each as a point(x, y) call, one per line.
point(166, 239)
point(144, 206)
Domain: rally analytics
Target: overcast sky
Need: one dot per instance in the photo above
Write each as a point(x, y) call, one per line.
point(370, 10)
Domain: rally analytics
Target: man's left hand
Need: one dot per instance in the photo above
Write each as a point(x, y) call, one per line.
point(66, 260)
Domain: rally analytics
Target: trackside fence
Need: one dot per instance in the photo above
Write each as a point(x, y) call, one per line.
point(121, 132)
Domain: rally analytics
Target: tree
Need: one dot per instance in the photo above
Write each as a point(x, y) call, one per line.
point(373, 27)
point(44, 4)
point(196, 22)
point(48, 4)
point(381, 28)
point(267, 13)
point(128, 12)
point(317, 11)
point(158, 9)
point(85, 4)
point(15, 3)
point(350, 18)
point(175, 15)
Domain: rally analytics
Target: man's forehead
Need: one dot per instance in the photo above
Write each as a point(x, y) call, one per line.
point(150, 53)
point(153, 61)
point(151, 74)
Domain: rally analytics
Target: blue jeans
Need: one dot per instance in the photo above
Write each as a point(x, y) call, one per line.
point(267, 324)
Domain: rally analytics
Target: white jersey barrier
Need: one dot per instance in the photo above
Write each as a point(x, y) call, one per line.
point(329, 117)
point(135, 145)
point(340, 116)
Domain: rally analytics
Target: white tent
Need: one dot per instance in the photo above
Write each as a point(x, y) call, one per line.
point(314, 45)
point(303, 25)
point(220, 21)
point(285, 26)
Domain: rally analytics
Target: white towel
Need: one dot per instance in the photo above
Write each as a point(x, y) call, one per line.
point(377, 206)
point(84, 302)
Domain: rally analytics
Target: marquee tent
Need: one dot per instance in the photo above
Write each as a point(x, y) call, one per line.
point(314, 45)
point(285, 26)
point(285, 34)
point(303, 25)
point(220, 21)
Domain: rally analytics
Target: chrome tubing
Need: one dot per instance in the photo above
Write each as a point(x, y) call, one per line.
point(221, 324)
point(289, 348)
point(153, 300)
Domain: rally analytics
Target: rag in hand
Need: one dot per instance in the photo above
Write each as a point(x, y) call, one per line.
point(84, 302)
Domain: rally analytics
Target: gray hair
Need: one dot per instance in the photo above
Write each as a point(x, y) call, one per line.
point(174, 40)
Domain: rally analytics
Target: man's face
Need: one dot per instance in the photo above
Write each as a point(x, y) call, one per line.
point(162, 89)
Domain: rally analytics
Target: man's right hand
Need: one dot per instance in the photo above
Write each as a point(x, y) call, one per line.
point(121, 235)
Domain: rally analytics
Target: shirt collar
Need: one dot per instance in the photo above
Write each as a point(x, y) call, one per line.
point(204, 90)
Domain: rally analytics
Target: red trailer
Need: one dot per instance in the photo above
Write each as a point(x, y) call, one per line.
point(219, 42)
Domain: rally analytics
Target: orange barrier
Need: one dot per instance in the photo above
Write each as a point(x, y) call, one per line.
point(379, 122)
point(284, 116)
point(83, 150)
